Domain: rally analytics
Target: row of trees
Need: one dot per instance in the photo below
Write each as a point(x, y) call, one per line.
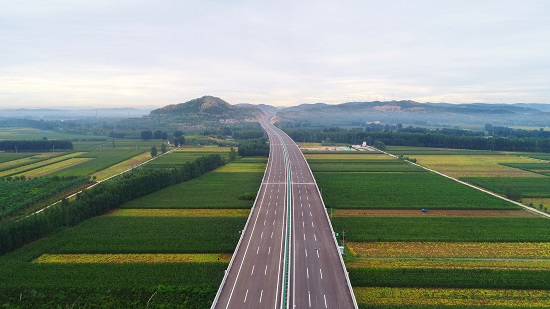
point(254, 147)
point(437, 139)
point(35, 145)
point(99, 200)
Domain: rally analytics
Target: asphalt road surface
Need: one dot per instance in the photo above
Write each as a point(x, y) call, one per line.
point(287, 256)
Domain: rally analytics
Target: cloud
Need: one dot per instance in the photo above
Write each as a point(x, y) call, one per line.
point(280, 52)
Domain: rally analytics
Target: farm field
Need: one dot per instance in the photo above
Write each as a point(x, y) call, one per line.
point(122, 166)
point(36, 134)
point(430, 213)
point(408, 151)
point(27, 167)
point(98, 160)
point(444, 229)
point(118, 234)
point(218, 189)
point(367, 166)
point(20, 196)
point(11, 160)
point(402, 191)
point(462, 298)
point(527, 187)
point(6, 157)
point(470, 250)
point(507, 251)
point(476, 165)
point(181, 213)
point(134, 258)
point(123, 258)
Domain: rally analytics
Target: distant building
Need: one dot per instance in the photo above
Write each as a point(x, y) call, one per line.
point(364, 144)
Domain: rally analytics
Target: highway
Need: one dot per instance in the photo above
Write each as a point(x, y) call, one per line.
point(287, 256)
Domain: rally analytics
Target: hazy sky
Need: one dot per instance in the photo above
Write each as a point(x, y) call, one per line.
point(130, 53)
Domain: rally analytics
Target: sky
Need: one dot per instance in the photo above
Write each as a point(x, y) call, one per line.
point(119, 53)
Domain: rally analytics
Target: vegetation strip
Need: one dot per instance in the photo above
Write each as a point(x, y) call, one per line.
point(430, 213)
point(133, 258)
point(122, 166)
point(442, 263)
point(504, 250)
point(181, 213)
point(453, 297)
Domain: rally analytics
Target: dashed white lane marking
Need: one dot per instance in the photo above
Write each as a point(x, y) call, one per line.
point(261, 294)
point(308, 297)
point(306, 252)
point(303, 224)
point(271, 234)
point(265, 221)
point(302, 213)
point(309, 205)
point(258, 250)
point(310, 214)
point(318, 253)
point(265, 271)
point(312, 224)
point(252, 269)
point(304, 236)
point(325, 297)
point(273, 222)
point(269, 250)
point(245, 295)
point(315, 237)
point(307, 272)
point(262, 236)
point(321, 272)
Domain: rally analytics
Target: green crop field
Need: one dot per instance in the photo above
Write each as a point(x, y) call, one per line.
point(37, 164)
point(347, 157)
point(476, 165)
point(450, 278)
point(527, 187)
point(216, 189)
point(6, 157)
point(402, 190)
point(180, 157)
point(99, 159)
point(350, 167)
point(534, 155)
point(19, 195)
point(121, 234)
point(31, 159)
point(444, 229)
point(35, 134)
point(408, 151)
point(539, 168)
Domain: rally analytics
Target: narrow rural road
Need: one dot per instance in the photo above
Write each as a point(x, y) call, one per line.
point(287, 256)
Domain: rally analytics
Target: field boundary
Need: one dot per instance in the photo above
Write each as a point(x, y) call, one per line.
point(475, 187)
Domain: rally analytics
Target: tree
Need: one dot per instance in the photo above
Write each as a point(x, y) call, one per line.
point(146, 135)
point(158, 134)
point(153, 151)
point(163, 148)
point(178, 133)
point(232, 153)
point(380, 145)
point(164, 136)
point(176, 142)
point(181, 140)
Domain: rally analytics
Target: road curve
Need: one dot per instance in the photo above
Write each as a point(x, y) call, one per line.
point(287, 256)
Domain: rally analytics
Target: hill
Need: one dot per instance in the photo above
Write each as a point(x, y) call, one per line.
point(415, 113)
point(206, 110)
